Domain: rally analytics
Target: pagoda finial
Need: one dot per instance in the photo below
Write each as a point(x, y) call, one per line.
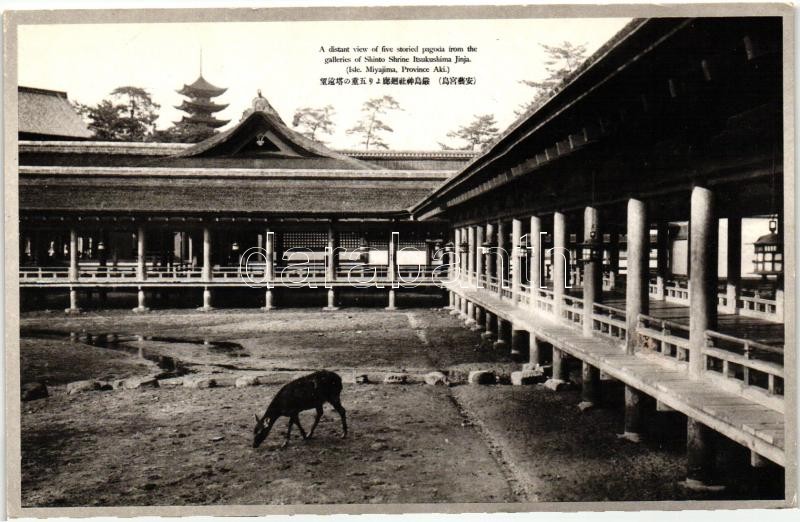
point(201, 61)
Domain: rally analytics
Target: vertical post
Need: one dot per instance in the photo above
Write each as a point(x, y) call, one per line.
point(702, 275)
point(478, 255)
point(592, 271)
point(559, 365)
point(490, 257)
point(489, 321)
point(394, 238)
point(73, 255)
point(464, 255)
point(560, 262)
point(734, 263)
point(330, 265)
point(73, 302)
point(206, 300)
point(503, 335)
point(636, 295)
point(502, 257)
point(479, 319)
point(456, 305)
point(662, 253)
point(457, 250)
point(269, 268)
point(471, 253)
point(516, 262)
point(613, 259)
point(464, 308)
point(206, 274)
point(590, 387)
point(469, 319)
point(141, 254)
point(536, 256)
point(633, 415)
point(700, 456)
point(141, 299)
point(535, 355)
point(517, 342)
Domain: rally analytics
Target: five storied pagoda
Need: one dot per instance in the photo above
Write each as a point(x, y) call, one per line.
point(199, 107)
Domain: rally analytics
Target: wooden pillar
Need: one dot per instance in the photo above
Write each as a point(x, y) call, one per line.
point(535, 355)
point(517, 342)
point(206, 273)
point(73, 255)
point(662, 254)
point(700, 456)
point(206, 300)
point(560, 262)
point(633, 415)
point(269, 269)
point(141, 254)
point(478, 256)
point(394, 238)
point(332, 254)
point(141, 299)
point(592, 271)
point(734, 264)
point(559, 365)
point(470, 313)
point(613, 259)
point(516, 261)
point(636, 295)
point(456, 305)
point(74, 307)
point(537, 245)
point(480, 318)
point(457, 248)
point(702, 276)
point(502, 257)
point(464, 255)
point(503, 335)
point(490, 256)
point(471, 252)
point(590, 387)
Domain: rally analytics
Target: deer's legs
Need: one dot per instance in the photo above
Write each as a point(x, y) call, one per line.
point(342, 413)
point(316, 421)
point(296, 420)
point(288, 432)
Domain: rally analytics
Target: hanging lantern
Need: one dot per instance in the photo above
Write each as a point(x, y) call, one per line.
point(363, 246)
point(100, 247)
point(769, 252)
point(464, 247)
point(449, 247)
point(591, 250)
point(486, 247)
point(235, 246)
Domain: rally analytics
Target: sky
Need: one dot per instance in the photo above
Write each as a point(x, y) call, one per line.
point(283, 59)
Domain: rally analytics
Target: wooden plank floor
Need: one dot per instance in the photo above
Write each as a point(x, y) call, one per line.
point(756, 427)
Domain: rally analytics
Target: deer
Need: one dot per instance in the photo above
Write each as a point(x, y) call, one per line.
point(304, 393)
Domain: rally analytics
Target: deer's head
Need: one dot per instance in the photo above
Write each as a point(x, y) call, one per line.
point(260, 431)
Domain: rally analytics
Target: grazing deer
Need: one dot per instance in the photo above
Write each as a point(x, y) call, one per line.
point(303, 393)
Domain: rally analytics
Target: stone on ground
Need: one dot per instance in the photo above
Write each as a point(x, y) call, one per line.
point(200, 382)
point(134, 383)
point(395, 378)
point(82, 386)
point(246, 380)
point(527, 377)
point(555, 384)
point(482, 377)
point(436, 379)
point(34, 390)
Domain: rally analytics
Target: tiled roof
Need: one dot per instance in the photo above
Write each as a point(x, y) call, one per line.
point(48, 113)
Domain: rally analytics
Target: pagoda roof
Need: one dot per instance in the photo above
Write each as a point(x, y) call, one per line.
point(200, 106)
point(199, 119)
point(202, 87)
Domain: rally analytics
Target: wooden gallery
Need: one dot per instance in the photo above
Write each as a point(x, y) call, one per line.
point(630, 224)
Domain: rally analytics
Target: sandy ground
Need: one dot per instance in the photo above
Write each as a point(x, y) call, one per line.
point(408, 443)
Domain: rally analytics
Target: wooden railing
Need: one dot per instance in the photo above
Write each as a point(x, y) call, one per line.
point(505, 289)
point(525, 294)
point(747, 367)
point(572, 310)
point(753, 305)
point(544, 300)
point(666, 338)
point(609, 322)
point(676, 291)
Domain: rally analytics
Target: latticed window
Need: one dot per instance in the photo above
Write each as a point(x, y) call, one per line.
point(349, 240)
point(312, 240)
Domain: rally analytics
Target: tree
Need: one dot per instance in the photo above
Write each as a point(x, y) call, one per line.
point(128, 114)
point(311, 120)
point(371, 124)
point(479, 133)
point(183, 132)
point(562, 60)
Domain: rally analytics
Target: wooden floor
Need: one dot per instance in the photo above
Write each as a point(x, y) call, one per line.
point(756, 427)
point(752, 328)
